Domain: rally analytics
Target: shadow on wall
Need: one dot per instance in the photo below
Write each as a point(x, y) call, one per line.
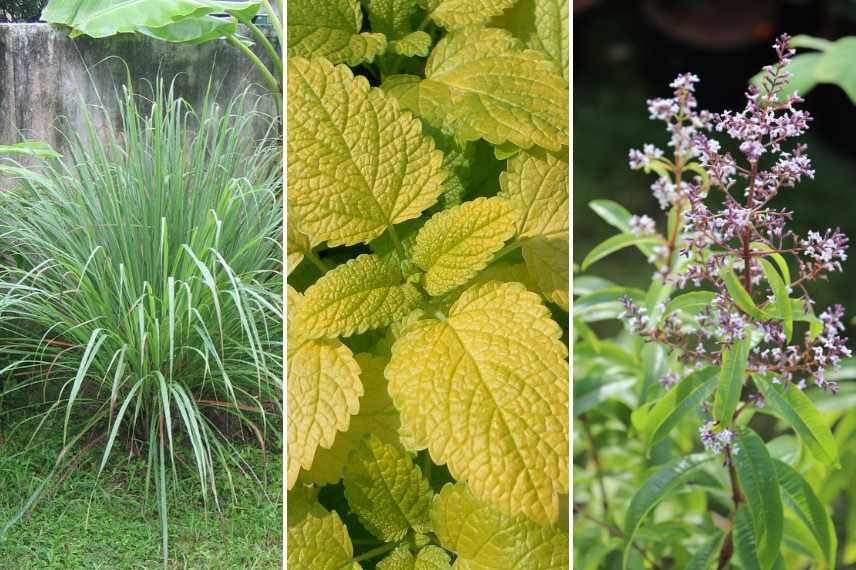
point(45, 76)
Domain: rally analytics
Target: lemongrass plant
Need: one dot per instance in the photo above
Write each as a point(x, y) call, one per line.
point(146, 292)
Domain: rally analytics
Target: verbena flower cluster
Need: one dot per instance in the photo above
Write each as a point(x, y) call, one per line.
point(742, 228)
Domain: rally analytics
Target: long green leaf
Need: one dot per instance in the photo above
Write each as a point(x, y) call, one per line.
point(677, 402)
point(705, 556)
point(654, 490)
point(757, 477)
point(799, 411)
point(780, 295)
point(731, 378)
point(613, 244)
point(740, 295)
point(801, 497)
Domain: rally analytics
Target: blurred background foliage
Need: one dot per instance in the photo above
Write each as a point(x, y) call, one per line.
point(625, 53)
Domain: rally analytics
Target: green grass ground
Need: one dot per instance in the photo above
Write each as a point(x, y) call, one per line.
point(91, 522)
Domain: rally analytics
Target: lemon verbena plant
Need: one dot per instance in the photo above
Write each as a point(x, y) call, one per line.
point(141, 292)
point(725, 350)
point(427, 385)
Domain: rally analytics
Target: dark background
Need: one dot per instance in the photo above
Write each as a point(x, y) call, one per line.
point(627, 52)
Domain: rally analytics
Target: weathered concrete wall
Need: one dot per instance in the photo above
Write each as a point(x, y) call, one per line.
point(45, 76)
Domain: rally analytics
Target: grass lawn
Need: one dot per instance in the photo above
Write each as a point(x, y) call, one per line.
point(92, 522)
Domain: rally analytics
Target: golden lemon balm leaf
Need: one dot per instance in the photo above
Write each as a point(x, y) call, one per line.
point(536, 182)
point(357, 164)
point(486, 391)
point(457, 243)
point(331, 29)
point(323, 384)
point(547, 261)
point(484, 83)
point(320, 542)
point(453, 14)
point(377, 416)
point(482, 537)
point(365, 293)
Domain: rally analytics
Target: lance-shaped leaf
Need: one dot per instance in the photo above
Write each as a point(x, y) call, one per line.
point(486, 391)
point(483, 83)
point(454, 14)
point(781, 298)
point(29, 148)
point(543, 25)
point(681, 399)
point(801, 413)
point(457, 243)
point(741, 296)
point(365, 293)
point(320, 541)
point(757, 478)
point(536, 182)
point(618, 217)
point(745, 544)
point(331, 29)
point(705, 556)
point(386, 490)
point(377, 416)
point(654, 490)
point(616, 243)
point(323, 393)
point(731, 379)
point(801, 497)
point(547, 262)
point(356, 163)
point(483, 537)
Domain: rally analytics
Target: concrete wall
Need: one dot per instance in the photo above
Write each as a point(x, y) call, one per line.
point(44, 75)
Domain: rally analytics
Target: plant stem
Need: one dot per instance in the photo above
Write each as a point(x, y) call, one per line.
point(399, 249)
point(515, 245)
point(375, 552)
point(595, 459)
point(728, 546)
point(317, 261)
point(274, 20)
point(273, 84)
point(617, 534)
point(274, 55)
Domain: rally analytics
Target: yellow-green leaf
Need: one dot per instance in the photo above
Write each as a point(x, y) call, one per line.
point(320, 542)
point(543, 25)
point(484, 538)
point(413, 44)
point(323, 393)
point(456, 244)
point(536, 182)
point(356, 163)
point(377, 416)
point(454, 14)
point(741, 296)
point(483, 83)
point(366, 292)
point(486, 391)
point(386, 490)
point(547, 261)
point(331, 29)
point(297, 245)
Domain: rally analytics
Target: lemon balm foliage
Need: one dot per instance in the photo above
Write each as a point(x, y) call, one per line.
point(725, 349)
point(427, 245)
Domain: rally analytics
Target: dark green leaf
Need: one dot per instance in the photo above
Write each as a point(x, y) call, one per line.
point(757, 476)
point(658, 486)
